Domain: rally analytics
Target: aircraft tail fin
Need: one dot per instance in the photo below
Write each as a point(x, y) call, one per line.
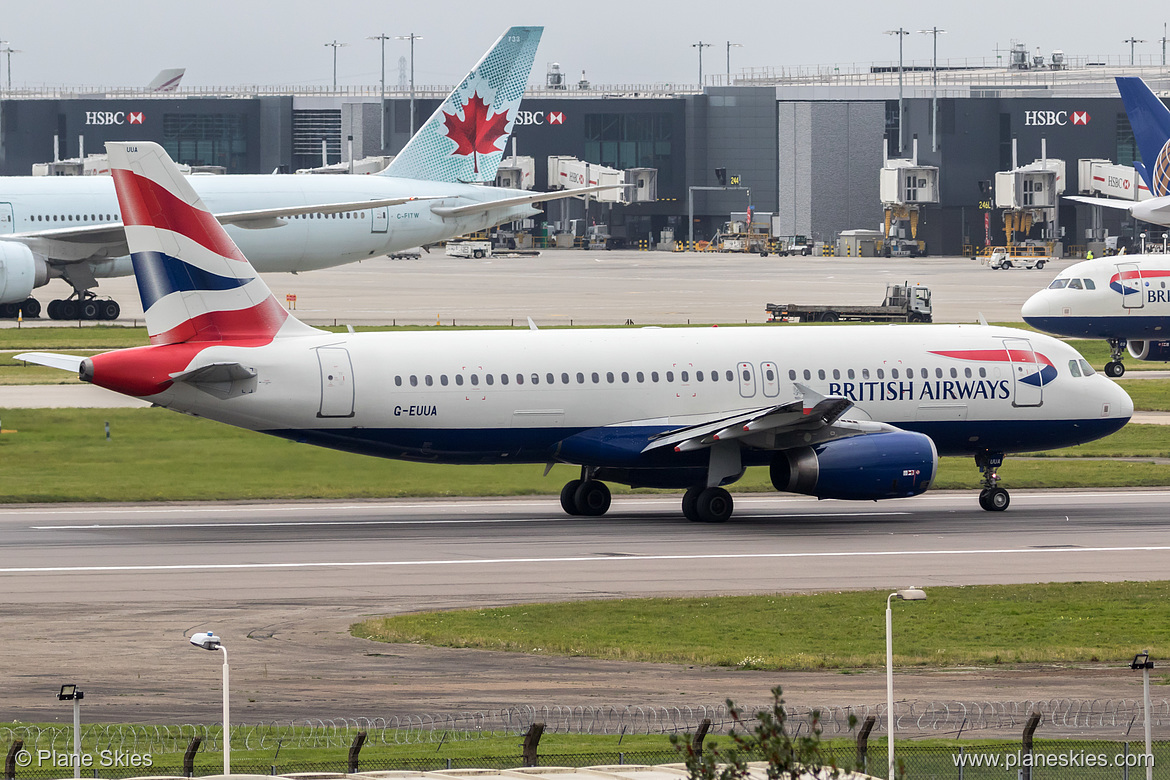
point(195, 284)
point(1150, 120)
point(167, 80)
point(465, 138)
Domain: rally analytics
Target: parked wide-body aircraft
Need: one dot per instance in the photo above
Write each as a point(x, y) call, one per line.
point(850, 413)
point(71, 227)
point(1123, 299)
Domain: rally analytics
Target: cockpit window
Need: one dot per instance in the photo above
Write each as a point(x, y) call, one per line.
point(1074, 367)
point(1089, 285)
point(1058, 284)
point(1086, 368)
point(1074, 284)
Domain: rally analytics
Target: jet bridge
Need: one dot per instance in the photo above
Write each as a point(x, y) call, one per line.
point(905, 187)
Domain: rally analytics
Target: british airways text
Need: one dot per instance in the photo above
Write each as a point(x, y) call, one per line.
point(937, 390)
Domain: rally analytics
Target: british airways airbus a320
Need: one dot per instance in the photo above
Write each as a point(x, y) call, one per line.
point(859, 413)
point(70, 226)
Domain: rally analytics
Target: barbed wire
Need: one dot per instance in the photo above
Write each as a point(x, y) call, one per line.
point(910, 717)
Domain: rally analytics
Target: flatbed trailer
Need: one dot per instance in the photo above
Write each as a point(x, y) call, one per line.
point(903, 303)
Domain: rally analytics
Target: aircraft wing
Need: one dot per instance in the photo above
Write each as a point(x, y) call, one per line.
point(520, 200)
point(1109, 203)
point(264, 218)
point(808, 420)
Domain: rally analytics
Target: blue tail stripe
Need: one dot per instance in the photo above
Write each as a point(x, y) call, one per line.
point(159, 275)
point(1150, 120)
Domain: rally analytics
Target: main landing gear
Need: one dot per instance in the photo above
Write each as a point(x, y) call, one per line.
point(585, 497)
point(29, 308)
point(702, 504)
point(84, 306)
point(1115, 367)
point(991, 497)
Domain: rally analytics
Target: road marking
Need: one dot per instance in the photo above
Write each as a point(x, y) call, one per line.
point(568, 559)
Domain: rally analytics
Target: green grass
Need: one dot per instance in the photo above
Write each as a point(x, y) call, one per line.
point(978, 625)
point(194, 459)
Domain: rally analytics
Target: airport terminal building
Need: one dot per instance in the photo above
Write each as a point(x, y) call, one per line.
point(805, 146)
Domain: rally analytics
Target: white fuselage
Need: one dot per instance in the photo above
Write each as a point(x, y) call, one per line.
point(301, 243)
point(594, 396)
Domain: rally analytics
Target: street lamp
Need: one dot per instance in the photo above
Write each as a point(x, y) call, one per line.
point(412, 38)
point(934, 84)
point(901, 34)
point(700, 46)
point(70, 693)
point(907, 594)
point(209, 641)
point(1131, 41)
point(1142, 661)
point(335, 46)
point(8, 51)
point(729, 45)
point(383, 38)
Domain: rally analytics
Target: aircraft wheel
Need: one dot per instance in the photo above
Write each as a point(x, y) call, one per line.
point(995, 500)
point(714, 505)
point(592, 499)
point(1114, 368)
point(54, 310)
point(568, 497)
point(7, 310)
point(31, 307)
point(67, 310)
point(88, 310)
point(690, 503)
point(110, 310)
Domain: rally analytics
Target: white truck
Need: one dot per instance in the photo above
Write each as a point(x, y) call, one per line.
point(476, 249)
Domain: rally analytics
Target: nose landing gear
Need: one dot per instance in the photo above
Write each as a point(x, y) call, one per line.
point(1115, 368)
point(992, 497)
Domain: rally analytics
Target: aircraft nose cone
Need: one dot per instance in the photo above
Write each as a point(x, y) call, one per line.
point(1122, 406)
point(1036, 306)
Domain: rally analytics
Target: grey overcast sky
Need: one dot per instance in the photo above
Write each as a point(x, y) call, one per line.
point(125, 42)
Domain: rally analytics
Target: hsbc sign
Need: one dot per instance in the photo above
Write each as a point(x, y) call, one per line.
point(114, 117)
point(1047, 118)
point(524, 118)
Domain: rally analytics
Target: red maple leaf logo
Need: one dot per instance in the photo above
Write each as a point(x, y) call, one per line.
point(476, 133)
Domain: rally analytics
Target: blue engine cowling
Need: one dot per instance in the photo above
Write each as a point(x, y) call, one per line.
point(894, 464)
point(1150, 350)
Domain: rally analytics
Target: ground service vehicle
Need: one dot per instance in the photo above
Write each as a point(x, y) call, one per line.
point(476, 249)
point(903, 303)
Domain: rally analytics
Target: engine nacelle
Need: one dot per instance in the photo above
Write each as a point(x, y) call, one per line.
point(1150, 349)
point(20, 272)
point(895, 464)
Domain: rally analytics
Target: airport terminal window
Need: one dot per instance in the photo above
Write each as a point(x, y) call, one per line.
point(1074, 368)
point(1127, 150)
point(633, 140)
point(209, 139)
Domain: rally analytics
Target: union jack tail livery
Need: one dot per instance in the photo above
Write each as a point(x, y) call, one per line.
point(464, 139)
point(195, 284)
point(1150, 120)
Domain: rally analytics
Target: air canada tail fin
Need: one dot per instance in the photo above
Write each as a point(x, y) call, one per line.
point(195, 284)
point(1150, 120)
point(167, 80)
point(465, 138)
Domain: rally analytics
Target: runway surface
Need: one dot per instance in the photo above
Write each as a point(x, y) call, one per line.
point(107, 594)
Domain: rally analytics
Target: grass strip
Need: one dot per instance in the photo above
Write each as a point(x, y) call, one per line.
point(977, 625)
point(195, 459)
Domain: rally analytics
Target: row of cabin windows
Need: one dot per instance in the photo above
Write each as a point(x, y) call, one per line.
point(908, 373)
point(74, 218)
point(581, 378)
point(343, 215)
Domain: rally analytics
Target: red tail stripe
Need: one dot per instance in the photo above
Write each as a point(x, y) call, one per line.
point(145, 202)
point(257, 324)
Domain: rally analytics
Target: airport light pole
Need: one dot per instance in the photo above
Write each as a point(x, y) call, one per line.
point(934, 85)
point(8, 51)
point(1131, 41)
point(209, 641)
point(383, 38)
point(412, 38)
point(70, 693)
point(335, 46)
point(907, 594)
point(1142, 661)
point(700, 46)
point(901, 33)
point(729, 45)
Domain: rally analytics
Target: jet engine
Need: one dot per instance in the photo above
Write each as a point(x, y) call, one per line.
point(1150, 350)
point(892, 464)
point(20, 272)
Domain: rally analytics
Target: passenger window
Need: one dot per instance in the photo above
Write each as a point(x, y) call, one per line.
point(685, 376)
point(595, 377)
point(820, 373)
point(865, 373)
point(443, 379)
point(1074, 284)
point(398, 381)
point(894, 373)
point(938, 373)
point(580, 378)
point(519, 379)
point(1086, 369)
point(807, 375)
point(413, 380)
point(715, 375)
point(503, 379)
point(669, 376)
point(491, 379)
point(609, 377)
point(852, 374)
point(564, 379)
point(459, 379)
point(625, 376)
point(730, 375)
point(430, 382)
point(881, 373)
point(982, 371)
point(641, 377)
point(475, 379)
point(653, 376)
point(536, 379)
point(967, 372)
point(1074, 368)
point(909, 373)
point(698, 376)
point(552, 380)
point(791, 374)
point(954, 374)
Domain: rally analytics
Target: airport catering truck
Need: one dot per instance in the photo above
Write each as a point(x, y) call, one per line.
point(903, 303)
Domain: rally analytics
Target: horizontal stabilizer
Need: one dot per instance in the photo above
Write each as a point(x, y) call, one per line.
point(520, 200)
point(52, 360)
